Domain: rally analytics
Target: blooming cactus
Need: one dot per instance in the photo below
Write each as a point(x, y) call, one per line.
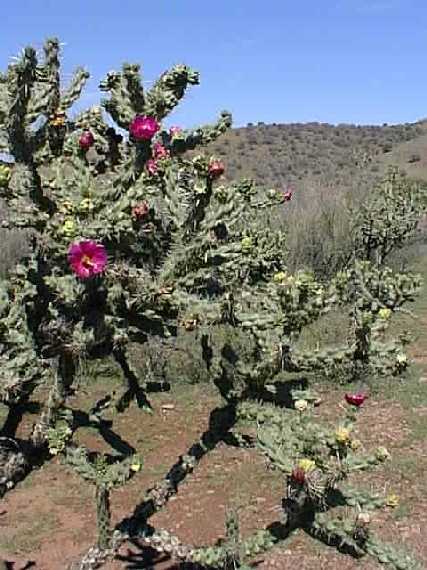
point(86, 140)
point(355, 399)
point(200, 247)
point(87, 258)
point(143, 128)
point(151, 166)
point(216, 169)
point(159, 151)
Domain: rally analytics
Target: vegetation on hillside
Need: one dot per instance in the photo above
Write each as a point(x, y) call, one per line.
point(293, 154)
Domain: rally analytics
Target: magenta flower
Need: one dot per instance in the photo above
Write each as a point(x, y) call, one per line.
point(151, 166)
point(355, 399)
point(216, 169)
point(143, 128)
point(141, 210)
point(87, 258)
point(287, 195)
point(86, 140)
point(298, 475)
point(159, 151)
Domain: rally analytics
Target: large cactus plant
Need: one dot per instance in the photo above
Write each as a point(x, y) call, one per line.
point(132, 237)
point(129, 238)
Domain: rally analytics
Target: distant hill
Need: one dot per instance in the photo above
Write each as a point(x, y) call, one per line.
point(278, 155)
point(332, 170)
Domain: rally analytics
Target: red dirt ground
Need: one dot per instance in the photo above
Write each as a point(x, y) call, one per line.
point(49, 519)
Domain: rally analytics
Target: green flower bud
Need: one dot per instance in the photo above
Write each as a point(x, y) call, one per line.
point(5, 174)
point(246, 243)
point(69, 228)
point(86, 205)
point(279, 277)
point(384, 314)
point(382, 453)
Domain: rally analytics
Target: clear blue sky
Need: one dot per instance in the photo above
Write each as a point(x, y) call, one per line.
point(361, 61)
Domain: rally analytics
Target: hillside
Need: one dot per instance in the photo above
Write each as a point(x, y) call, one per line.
point(278, 155)
point(331, 170)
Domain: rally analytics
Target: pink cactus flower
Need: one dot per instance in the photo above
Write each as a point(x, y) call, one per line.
point(141, 210)
point(87, 258)
point(287, 195)
point(298, 475)
point(151, 166)
point(355, 399)
point(159, 151)
point(175, 131)
point(86, 140)
point(143, 128)
point(216, 169)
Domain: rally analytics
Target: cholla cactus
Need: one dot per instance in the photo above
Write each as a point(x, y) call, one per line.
point(317, 463)
point(130, 237)
point(104, 475)
point(273, 314)
point(387, 220)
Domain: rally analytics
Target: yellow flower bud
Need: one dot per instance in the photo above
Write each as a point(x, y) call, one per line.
point(5, 174)
point(86, 205)
point(301, 405)
point(58, 120)
point(66, 207)
point(392, 501)
point(307, 465)
point(135, 467)
point(280, 277)
point(384, 314)
point(355, 444)
point(342, 435)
